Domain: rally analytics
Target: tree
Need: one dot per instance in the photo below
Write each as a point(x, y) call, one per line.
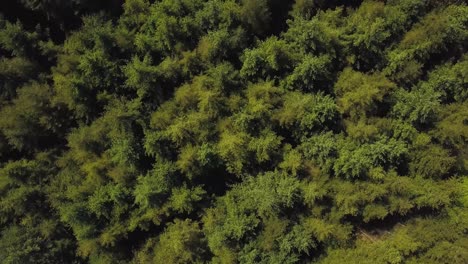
point(233, 131)
point(312, 74)
point(31, 122)
point(359, 94)
point(444, 26)
point(450, 81)
point(272, 58)
point(419, 107)
point(181, 242)
point(31, 230)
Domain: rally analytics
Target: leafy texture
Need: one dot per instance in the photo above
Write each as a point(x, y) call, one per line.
point(233, 131)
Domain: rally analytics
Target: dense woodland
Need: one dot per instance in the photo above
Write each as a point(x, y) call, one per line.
point(234, 131)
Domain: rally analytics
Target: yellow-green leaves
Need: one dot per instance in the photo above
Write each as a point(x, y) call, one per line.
point(226, 131)
point(360, 94)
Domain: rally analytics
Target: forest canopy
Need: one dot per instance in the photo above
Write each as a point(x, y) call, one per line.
point(234, 131)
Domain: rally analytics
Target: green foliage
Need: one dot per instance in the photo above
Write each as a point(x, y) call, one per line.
point(450, 81)
point(24, 54)
point(13, 73)
point(413, 242)
point(169, 27)
point(312, 74)
point(359, 94)
point(319, 35)
point(17, 41)
point(182, 242)
point(154, 188)
point(305, 114)
point(233, 131)
point(356, 160)
point(30, 121)
point(438, 32)
point(85, 69)
point(451, 129)
point(257, 14)
point(31, 231)
point(246, 208)
point(373, 26)
point(271, 58)
point(419, 107)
